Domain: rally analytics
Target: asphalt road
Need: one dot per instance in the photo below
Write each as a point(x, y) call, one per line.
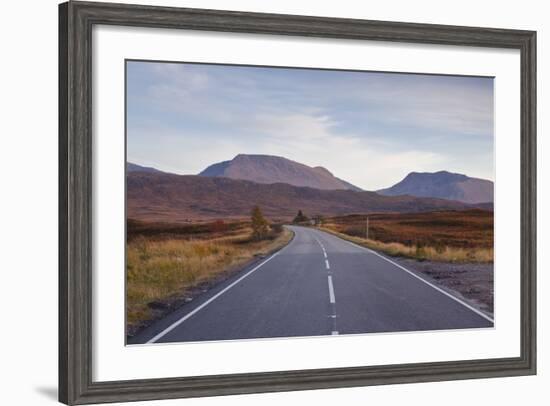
point(318, 284)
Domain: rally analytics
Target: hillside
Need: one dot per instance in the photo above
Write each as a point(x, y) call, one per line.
point(182, 198)
point(273, 169)
point(131, 167)
point(443, 185)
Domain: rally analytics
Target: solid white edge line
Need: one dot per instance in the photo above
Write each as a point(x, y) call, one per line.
point(476, 311)
point(331, 290)
point(221, 292)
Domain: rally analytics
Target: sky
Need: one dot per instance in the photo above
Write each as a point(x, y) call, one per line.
point(368, 128)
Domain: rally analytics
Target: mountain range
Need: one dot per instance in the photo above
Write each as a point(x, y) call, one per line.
point(444, 185)
point(282, 187)
point(180, 198)
point(274, 169)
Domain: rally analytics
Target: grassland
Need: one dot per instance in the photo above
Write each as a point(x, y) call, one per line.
point(165, 263)
point(446, 236)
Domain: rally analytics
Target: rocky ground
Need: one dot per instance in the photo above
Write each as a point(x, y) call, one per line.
point(471, 281)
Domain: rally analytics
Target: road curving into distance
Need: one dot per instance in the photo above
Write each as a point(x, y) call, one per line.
point(317, 285)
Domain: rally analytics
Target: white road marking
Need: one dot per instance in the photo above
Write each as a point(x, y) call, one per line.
point(324, 251)
point(331, 290)
point(319, 242)
point(476, 311)
point(330, 285)
point(202, 306)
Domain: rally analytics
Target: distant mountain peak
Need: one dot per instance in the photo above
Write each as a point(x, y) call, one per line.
point(131, 167)
point(276, 169)
point(322, 169)
point(444, 185)
point(250, 156)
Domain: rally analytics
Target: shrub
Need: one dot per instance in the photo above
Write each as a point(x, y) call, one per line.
point(260, 227)
point(300, 218)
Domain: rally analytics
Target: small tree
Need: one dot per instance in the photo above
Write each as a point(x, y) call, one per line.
point(260, 227)
point(300, 217)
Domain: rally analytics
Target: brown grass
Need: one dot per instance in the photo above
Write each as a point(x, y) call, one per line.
point(159, 268)
point(449, 236)
point(197, 230)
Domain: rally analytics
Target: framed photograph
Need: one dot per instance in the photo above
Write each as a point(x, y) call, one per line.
point(258, 202)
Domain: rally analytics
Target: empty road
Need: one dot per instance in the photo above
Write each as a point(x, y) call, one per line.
point(318, 284)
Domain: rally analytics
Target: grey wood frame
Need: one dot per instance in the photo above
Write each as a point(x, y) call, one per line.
point(76, 20)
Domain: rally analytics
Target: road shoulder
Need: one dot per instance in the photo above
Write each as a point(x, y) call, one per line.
point(187, 301)
point(472, 283)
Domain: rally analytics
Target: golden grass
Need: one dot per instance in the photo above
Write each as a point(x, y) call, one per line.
point(158, 270)
point(458, 229)
point(442, 254)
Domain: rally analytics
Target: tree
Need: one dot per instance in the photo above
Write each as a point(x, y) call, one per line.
point(260, 227)
point(300, 217)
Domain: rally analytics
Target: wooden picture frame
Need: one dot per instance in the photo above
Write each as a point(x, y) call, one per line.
point(76, 20)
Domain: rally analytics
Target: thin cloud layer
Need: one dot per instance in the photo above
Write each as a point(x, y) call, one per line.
point(368, 128)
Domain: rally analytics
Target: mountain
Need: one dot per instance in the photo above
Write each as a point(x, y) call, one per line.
point(172, 198)
point(130, 167)
point(274, 169)
point(443, 185)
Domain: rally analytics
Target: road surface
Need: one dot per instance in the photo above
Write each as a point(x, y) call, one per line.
point(318, 284)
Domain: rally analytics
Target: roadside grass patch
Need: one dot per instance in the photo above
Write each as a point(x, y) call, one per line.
point(160, 269)
point(421, 252)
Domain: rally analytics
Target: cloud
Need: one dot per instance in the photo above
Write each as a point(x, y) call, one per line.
point(302, 138)
point(368, 128)
point(442, 107)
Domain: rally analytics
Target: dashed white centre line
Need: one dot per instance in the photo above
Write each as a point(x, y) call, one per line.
point(332, 297)
point(331, 290)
